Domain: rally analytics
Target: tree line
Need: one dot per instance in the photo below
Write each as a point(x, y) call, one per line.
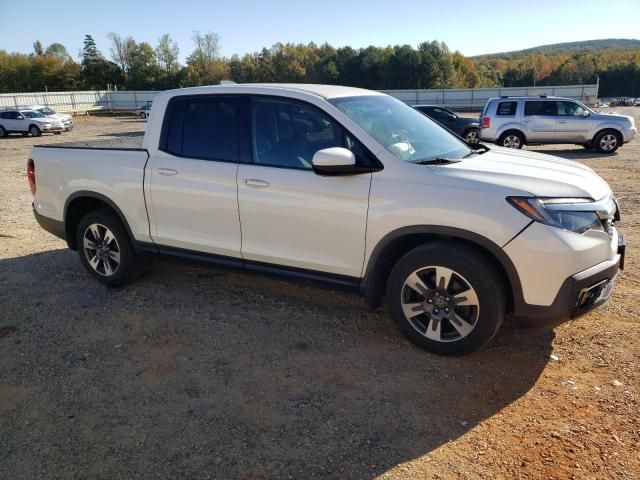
point(141, 66)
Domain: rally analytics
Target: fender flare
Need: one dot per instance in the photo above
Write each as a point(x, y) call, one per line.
point(370, 285)
point(102, 198)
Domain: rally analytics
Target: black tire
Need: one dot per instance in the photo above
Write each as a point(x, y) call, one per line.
point(482, 319)
point(608, 141)
point(511, 139)
point(3, 132)
point(143, 115)
point(34, 131)
point(471, 136)
point(57, 133)
point(125, 270)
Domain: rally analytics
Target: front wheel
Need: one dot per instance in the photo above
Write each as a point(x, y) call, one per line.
point(34, 131)
point(446, 298)
point(511, 140)
point(3, 132)
point(607, 142)
point(105, 248)
point(143, 115)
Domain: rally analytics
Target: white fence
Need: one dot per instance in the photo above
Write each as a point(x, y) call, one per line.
point(475, 98)
point(467, 98)
point(79, 102)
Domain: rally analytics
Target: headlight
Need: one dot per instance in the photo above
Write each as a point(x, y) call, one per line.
point(558, 212)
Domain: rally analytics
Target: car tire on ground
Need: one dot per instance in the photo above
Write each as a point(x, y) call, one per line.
point(35, 131)
point(471, 136)
point(143, 115)
point(105, 248)
point(3, 132)
point(607, 142)
point(446, 298)
point(511, 139)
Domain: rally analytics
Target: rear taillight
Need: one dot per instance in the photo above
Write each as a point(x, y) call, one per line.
point(31, 176)
point(486, 122)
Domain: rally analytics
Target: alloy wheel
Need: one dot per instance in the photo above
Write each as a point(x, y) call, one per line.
point(608, 142)
point(440, 304)
point(472, 136)
point(101, 249)
point(511, 141)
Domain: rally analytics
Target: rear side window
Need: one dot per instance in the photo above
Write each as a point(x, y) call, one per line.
point(547, 108)
point(203, 127)
point(506, 108)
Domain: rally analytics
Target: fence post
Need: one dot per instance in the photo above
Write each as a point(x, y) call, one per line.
point(15, 100)
point(135, 99)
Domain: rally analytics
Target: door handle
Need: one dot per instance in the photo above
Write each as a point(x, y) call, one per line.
point(562, 121)
point(167, 171)
point(252, 182)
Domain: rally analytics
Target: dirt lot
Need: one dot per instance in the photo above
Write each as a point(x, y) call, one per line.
point(201, 373)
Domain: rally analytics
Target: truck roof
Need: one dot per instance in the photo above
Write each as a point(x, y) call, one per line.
point(325, 91)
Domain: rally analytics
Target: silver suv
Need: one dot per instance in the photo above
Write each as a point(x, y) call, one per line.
point(515, 121)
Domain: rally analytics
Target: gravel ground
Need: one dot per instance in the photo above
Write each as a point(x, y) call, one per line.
point(204, 373)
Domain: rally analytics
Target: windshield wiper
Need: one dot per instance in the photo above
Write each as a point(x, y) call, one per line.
point(437, 161)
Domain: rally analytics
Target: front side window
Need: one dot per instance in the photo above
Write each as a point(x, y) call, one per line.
point(507, 108)
point(570, 109)
point(204, 127)
point(46, 111)
point(402, 130)
point(288, 134)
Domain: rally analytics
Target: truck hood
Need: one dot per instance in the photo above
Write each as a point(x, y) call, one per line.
point(529, 172)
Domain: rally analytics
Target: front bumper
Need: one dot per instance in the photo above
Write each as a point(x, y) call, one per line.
point(629, 133)
point(52, 128)
point(578, 294)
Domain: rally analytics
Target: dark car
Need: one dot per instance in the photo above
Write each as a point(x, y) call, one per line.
point(467, 128)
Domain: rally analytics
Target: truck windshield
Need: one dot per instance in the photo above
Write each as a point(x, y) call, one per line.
point(403, 131)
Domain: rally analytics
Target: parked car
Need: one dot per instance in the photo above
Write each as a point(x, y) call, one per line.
point(66, 119)
point(513, 122)
point(27, 122)
point(346, 187)
point(467, 128)
point(145, 110)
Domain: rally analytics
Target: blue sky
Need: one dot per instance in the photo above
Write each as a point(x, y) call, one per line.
point(472, 27)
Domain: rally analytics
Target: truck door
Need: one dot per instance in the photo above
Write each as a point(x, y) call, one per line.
point(192, 184)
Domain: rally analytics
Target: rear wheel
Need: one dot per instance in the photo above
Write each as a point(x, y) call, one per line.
point(471, 136)
point(446, 298)
point(3, 132)
point(511, 140)
point(143, 115)
point(607, 142)
point(105, 248)
point(34, 131)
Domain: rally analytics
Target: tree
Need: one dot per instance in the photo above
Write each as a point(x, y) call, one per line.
point(203, 65)
point(167, 53)
point(37, 48)
point(58, 50)
point(144, 71)
point(90, 50)
point(121, 51)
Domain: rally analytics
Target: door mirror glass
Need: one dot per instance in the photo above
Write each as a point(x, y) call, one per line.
point(19, 117)
point(334, 161)
point(585, 113)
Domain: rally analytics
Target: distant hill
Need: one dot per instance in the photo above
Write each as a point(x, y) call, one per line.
point(569, 47)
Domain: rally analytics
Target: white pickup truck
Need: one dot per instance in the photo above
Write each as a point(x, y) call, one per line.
point(347, 187)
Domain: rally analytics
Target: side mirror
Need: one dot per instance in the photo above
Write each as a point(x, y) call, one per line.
point(585, 113)
point(19, 117)
point(335, 161)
